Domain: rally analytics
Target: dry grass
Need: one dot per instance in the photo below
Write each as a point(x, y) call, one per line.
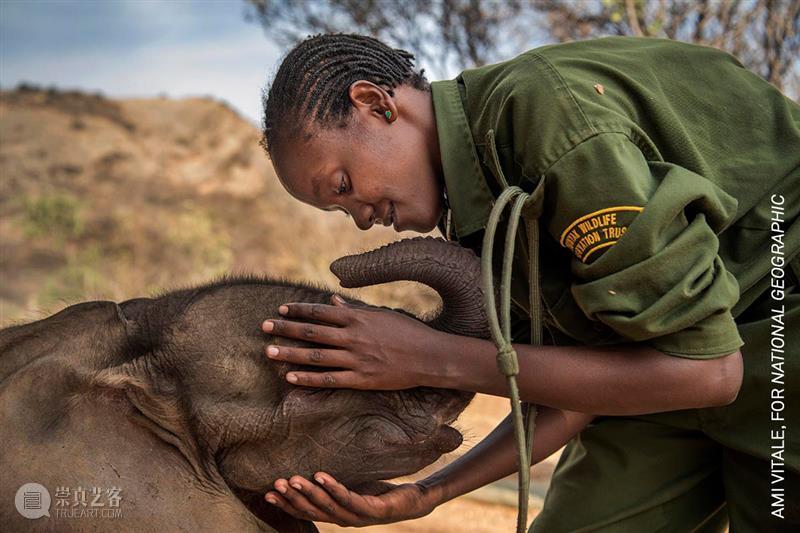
point(113, 200)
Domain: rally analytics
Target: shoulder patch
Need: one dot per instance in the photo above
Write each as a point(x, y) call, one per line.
point(598, 230)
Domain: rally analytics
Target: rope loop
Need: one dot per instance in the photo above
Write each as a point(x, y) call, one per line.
point(500, 328)
point(507, 361)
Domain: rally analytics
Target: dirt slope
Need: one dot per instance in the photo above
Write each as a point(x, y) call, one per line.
point(114, 199)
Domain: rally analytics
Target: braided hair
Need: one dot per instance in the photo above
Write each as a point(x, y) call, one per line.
point(312, 83)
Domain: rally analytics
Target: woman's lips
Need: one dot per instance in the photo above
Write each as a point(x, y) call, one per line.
point(389, 220)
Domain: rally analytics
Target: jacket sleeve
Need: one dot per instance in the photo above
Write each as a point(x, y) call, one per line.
point(643, 239)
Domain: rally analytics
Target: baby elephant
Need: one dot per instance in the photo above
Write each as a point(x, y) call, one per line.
point(164, 414)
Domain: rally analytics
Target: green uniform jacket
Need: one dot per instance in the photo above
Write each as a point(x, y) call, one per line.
point(663, 165)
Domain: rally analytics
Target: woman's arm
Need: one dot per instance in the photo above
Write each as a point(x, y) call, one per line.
point(495, 457)
point(491, 459)
point(622, 379)
point(383, 350)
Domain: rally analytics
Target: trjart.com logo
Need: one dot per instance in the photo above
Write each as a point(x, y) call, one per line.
point(32, 501)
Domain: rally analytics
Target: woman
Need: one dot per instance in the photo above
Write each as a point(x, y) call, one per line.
point(661, 166)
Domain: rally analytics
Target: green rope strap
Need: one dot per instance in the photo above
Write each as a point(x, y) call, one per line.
point(507, 361)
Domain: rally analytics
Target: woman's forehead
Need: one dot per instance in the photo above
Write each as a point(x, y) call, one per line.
point(305, 173)
point(300, 176)
point(305, 165)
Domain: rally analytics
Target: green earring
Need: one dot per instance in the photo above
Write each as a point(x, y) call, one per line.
point(388, 114)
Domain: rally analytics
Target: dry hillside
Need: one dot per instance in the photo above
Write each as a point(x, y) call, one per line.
point(116, 199)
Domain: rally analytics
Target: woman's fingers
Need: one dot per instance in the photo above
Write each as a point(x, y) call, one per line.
point(306, 501)
point(319, 334)
point(306, 509)
point(330, 501)
point(277, 500)
point(346, 498)
point(345, 379)
point(322, 502)
point(310, 356)
point(331, 314)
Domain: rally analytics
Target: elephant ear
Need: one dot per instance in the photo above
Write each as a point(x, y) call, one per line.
point(272, 516)
point(148, 319)
point(82, 337)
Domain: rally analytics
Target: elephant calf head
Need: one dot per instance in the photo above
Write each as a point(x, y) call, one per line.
point(191, 366)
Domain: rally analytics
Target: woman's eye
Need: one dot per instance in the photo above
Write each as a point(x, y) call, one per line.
point(342, 187)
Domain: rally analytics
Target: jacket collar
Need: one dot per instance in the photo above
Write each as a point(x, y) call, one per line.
point(468, 194)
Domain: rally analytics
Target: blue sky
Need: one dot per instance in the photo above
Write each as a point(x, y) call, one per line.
point(138, 48)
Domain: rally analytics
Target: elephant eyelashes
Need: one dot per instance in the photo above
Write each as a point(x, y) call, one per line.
point(342, 187)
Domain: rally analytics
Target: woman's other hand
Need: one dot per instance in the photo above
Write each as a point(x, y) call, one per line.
point(327, 500)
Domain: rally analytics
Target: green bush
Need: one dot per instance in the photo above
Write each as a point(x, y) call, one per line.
point(56, 215)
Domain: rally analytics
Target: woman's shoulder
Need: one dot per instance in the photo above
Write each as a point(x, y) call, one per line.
point(544, 102)
point(528, 110)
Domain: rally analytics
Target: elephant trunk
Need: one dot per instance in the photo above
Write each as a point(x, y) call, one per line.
point(451, 270)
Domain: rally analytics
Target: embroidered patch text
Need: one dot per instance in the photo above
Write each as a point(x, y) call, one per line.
point(597, 230)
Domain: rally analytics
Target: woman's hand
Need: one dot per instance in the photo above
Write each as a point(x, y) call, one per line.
point(376, 349)
point(329, 501)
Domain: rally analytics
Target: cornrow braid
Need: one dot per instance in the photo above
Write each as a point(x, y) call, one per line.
point(312, 83)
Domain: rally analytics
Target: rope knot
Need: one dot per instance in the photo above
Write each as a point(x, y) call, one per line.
point(507, 360)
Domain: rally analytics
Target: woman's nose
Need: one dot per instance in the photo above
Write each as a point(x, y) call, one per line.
point(365, 218)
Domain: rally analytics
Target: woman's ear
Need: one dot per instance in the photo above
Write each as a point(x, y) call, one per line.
point(372, 100)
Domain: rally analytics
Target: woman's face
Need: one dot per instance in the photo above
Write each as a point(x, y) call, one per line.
point(378, 170)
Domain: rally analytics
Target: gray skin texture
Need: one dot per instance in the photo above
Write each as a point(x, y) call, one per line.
point(173, 401)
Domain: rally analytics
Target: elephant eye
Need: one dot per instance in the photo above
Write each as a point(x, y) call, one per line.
point(342, 186)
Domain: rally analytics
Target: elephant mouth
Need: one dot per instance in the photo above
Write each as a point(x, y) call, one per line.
point(419, 421)
point(444, 405)
point(441, 439)
point(395, 452)
point(447, 439)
